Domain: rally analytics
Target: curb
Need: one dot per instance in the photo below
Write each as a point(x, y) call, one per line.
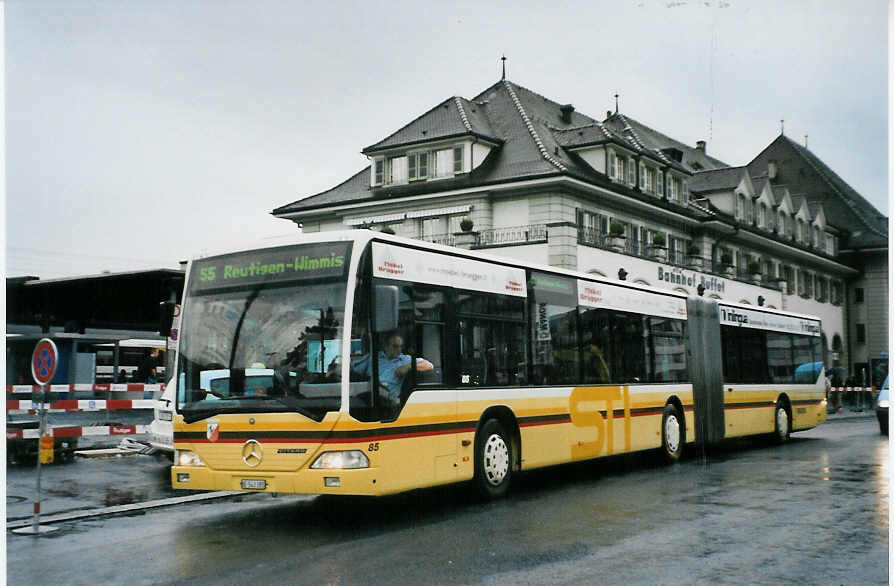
point(119, 509)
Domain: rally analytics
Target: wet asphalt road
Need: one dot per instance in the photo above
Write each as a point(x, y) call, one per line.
point(813, 511)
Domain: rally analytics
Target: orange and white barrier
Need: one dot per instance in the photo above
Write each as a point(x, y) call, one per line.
point(28, 406)
point(75, 431)
point(109, 388)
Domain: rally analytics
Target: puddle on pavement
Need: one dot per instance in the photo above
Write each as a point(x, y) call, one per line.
point(114, 497)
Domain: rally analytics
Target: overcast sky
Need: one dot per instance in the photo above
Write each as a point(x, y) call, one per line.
point(139, 133)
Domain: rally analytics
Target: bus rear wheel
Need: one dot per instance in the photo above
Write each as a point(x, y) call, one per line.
point(493, 460)
point(672, 433)
point(782, 426)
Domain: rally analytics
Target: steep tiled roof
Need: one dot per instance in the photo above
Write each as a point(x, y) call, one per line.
point(843, 206)
point(716, 179)
point(862, 208)
point(652, 141)
point(535, 137)
point(779, 192)
point(354, 189)
point(452, 117)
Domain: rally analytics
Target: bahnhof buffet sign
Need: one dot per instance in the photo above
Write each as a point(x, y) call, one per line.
point(677, 276)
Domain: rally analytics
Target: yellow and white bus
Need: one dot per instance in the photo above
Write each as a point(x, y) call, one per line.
point(291, 361)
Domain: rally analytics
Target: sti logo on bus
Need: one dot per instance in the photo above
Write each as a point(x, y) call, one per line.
point(729, 315)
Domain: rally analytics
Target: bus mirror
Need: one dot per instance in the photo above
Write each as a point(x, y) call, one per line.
point(165, 317)
point(386, 308)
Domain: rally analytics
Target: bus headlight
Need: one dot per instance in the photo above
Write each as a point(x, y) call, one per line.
point(341, 460)
point(187, 458)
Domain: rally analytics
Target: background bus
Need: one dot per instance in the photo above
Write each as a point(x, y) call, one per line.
point(131, 354)
point(531, 366)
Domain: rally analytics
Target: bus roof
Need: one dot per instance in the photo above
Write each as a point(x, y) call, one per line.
point(364, 236)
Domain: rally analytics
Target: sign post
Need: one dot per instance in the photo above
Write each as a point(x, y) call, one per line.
point(43, 366)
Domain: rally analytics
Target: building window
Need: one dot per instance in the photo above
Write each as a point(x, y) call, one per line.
point(740, 207)
point(781, 223)
point(442, 163)
point(417, 164)
point(397, 170)
point(458, 159)
point(861, 333)
point(631, 172)
point(761, 215)
point(622, 165)
point(858, 295)
point(380, 171)
point(749, 211)
point(835, 292)
point(789, 275)
point(659, 183)
point(673, 188)
point(821, 287)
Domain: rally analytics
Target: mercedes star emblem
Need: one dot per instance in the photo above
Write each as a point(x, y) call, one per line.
point(252, 452)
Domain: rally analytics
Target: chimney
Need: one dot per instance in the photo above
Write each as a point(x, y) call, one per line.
point(567, 109)
point(608, 114)
point(771, 169)
point(700, 145)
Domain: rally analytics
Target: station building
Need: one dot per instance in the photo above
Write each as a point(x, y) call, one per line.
point(519, 175)
point(101, 324)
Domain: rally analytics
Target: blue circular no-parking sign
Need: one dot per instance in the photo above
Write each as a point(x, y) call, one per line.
point(44, 361)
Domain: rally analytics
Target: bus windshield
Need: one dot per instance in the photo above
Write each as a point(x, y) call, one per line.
point(262, 331)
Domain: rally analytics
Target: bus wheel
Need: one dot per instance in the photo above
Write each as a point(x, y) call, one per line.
point(672, 437)
point(493, 460)
point(783, 426)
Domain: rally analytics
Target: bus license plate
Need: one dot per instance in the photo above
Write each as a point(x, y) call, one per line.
point(254, 483)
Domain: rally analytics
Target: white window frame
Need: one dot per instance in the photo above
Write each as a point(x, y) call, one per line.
point(379, 175)
point(459, 159)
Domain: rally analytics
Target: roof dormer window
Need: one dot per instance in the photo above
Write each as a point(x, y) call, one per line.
point(417, 164)
point(458, 159)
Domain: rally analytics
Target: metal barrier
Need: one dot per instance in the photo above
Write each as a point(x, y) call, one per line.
point(70, 398)
point(854, 398)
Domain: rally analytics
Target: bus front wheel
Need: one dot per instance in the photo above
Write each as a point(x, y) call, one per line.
point(672, 433)
point(493, 460)
point(782, 426)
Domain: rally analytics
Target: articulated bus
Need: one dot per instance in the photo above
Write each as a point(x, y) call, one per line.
point(359, 363)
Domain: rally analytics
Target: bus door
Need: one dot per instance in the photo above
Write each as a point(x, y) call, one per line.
point(706, 369)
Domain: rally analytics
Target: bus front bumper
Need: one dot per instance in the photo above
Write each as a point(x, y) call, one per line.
point(362, 481)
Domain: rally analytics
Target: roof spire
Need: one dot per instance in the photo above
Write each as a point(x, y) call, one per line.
point(782, 126)
point(805, 141)
point(616, 103)
point(503, 59)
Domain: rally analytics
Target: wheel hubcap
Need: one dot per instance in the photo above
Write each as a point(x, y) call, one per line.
point(672, 433)
point(496, 459)
point(781, 422)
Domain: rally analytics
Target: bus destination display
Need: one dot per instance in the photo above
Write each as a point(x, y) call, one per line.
point(287, 263)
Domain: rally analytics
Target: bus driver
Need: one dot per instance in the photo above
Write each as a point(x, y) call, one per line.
point(393, 367)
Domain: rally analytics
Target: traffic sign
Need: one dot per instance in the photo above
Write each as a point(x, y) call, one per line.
point(44, 361)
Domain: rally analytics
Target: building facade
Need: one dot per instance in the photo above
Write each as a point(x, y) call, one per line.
point(514, 173)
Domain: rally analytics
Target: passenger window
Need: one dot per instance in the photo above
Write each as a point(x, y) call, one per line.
point(669, 350)
point(595, 336)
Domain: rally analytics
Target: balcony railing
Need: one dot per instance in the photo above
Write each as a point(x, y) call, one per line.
point(445, 239)
point(531, 234)
point(598, 239)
